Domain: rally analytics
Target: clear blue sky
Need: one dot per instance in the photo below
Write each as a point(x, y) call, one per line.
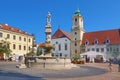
point(30, 15)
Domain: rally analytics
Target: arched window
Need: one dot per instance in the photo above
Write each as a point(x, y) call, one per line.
point(75, 19)
point(75, 33)
point(75, 44)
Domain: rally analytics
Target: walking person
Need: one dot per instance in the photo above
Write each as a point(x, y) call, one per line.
point(110, 66)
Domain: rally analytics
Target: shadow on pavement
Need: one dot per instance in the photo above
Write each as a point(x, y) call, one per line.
point(4, 75)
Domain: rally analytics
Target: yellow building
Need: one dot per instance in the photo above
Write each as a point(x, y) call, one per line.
point(20, 41)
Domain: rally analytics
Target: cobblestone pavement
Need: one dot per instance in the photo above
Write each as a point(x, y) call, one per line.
point(93, 71)
point(114, 75)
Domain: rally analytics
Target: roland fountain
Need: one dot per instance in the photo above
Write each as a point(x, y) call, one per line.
point(47, 61)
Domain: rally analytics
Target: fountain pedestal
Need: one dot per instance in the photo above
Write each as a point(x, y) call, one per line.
point(49, 63)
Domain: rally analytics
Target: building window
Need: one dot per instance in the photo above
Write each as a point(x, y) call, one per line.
point(25, 39)
point(102, 49)
point(65, 55)
point(8, 36)
point(75, 19)
point(60, 54)
point(93, 49)
point(0, 44)
point(24, 47)
point(108, 49)
point(14, 37)
point(19, 47)
point(107, 41)
point(75, 44)
point(20, 38)
point(65, 46)
point(96, 42)
point(29, 40)
point(117, 49)
point(54, 48)
point(1, 34)
point(75, 38)
point(75, 51)
point(86, 42)
point(75, 33)
point(97, 49)
point(14, 46)
point(88, 49)
point(8, 46)
point(59, 46)
point(56, 42)
point(29, 48)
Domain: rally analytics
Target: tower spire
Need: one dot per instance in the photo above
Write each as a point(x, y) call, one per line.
point(77, 12)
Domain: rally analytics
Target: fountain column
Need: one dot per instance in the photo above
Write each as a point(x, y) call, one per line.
point(48, 31)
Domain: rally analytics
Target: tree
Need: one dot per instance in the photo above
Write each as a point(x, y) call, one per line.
point(39, 52)
point(4, 48)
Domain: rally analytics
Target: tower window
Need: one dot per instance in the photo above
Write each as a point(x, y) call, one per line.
point(75, 33)
point(75, 38)
point(75, 19)
point(75, 44)
point(75, 51)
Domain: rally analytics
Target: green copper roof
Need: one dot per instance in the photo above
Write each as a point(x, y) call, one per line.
point(77, 13)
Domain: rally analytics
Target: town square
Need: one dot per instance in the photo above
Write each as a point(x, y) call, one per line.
point(44, 40)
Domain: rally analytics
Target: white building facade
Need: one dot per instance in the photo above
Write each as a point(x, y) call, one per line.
point(61, 41)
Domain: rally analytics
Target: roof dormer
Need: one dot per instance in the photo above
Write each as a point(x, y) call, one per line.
point(96, 42)
point(107, 41)
point(86, 42)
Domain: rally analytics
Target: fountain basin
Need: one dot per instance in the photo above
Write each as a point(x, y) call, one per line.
point(48, 63)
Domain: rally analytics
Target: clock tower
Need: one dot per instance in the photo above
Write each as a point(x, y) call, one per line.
point(76, 33)
point(48, 28)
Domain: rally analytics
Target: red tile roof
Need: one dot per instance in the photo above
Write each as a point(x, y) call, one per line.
point(41, 45)
point(7, 27)
point(60, 34)
point(102, 36)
